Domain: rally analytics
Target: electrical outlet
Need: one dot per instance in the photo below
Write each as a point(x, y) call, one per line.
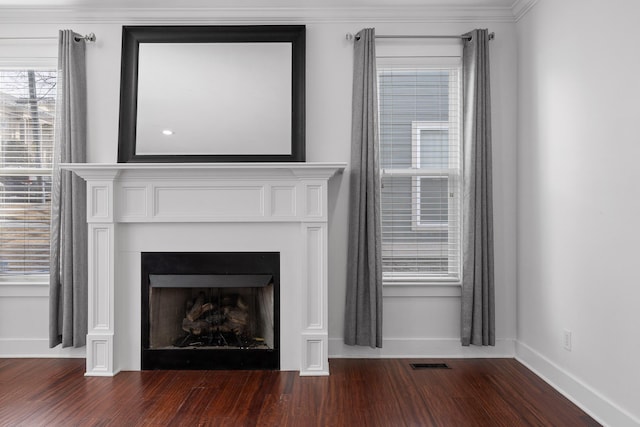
point(566, 340)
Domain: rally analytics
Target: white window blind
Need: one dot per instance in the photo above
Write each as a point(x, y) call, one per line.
point(419, 112)
point(27, 115)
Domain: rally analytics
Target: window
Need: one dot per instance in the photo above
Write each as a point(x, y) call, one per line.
point(27, 113)
point(420, 159)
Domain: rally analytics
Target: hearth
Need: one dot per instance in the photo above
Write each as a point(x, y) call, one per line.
point(210, 310)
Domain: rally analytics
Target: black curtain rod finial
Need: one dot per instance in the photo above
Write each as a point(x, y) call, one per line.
point(90, 38)
point(351, 37)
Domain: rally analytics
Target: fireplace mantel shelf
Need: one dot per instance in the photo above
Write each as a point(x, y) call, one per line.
point(206, 207)
point(162, 170)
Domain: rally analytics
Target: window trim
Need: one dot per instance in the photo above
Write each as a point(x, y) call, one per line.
point(453, 172)
point(23, 64)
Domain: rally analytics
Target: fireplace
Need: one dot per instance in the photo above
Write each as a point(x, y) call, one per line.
point(211, 310)
point(133, 209)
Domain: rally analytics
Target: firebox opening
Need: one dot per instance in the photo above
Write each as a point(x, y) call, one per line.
point(221, 317)
point(210, 311)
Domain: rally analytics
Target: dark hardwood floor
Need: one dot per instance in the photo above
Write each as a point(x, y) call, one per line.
point(474, 392)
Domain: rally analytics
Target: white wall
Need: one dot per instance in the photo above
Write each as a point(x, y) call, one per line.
point(426, 325)
point(578, 202)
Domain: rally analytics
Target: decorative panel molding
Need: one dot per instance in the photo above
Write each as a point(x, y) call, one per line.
point(315, 206)
point(315, 294)
point(101, 277)
point(283, 201)
point(315, 265)
point(315, 356)
point(215, 201)
point(100, 203)
point(100, 355)
point(134, 202)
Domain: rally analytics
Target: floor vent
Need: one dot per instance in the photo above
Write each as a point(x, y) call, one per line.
point(430, 366)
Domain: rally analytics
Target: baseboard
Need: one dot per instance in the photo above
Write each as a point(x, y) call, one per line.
point(420, 348)
point(585, 397)
point(36, 348)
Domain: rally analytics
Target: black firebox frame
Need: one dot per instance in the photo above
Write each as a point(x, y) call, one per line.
point(209, 263)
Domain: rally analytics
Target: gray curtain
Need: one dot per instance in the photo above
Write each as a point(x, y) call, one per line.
point(363, 314)
point(478, 313)
point(68, 302)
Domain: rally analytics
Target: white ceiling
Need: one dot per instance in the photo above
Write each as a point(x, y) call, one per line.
point(260, 11)
point(186, 4)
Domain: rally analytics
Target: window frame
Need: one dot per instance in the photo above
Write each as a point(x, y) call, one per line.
point(37, 62)
point(453, 172)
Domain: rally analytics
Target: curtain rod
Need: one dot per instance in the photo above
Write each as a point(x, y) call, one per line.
point(91, 37)
point(351, 37)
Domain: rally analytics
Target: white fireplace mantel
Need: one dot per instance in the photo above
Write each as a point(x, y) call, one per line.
point(138, 207)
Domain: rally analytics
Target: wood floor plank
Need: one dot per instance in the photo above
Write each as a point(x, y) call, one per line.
point(359, 392)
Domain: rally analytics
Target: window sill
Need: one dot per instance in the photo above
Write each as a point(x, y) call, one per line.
point(13, 281)
point(24, 290)
point(12, 287)
point(433, 289)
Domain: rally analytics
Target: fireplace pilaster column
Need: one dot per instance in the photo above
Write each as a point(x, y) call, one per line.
point(315, 333)
point(101, 228)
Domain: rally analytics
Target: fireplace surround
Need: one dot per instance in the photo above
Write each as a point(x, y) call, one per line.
point(195, 207)
point(210, 310)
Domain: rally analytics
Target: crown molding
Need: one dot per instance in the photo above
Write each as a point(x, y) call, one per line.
point(178, 15)
point(521, 8)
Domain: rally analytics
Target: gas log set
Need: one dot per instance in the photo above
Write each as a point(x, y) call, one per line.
point(222, 320)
